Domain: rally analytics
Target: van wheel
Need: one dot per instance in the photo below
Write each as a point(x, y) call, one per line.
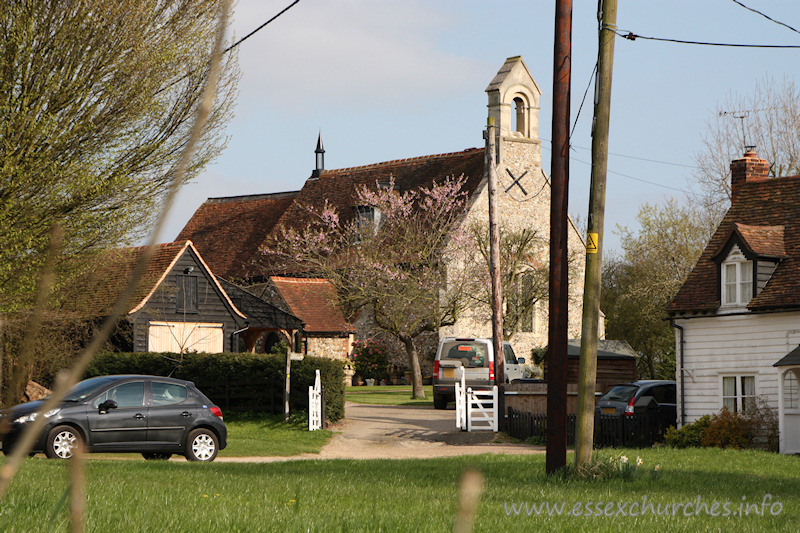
point(439, 402)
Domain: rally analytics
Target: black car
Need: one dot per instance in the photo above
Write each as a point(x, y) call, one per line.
point(653, 396)
point(153, 415)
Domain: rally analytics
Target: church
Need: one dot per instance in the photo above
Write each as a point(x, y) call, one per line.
point(230, 232)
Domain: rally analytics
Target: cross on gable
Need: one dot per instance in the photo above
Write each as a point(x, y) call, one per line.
point(516, 181)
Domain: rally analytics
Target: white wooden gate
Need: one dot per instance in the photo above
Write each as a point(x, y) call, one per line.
point(476, 410)
point(461, 404)
point(315, 405)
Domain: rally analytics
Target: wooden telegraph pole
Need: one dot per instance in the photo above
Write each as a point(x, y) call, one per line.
point(494, 257)
point(494, 270)
point(594, 256)
point(556, 453)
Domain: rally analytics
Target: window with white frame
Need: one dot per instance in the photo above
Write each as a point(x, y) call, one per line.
point(791, 393)
point(367, 219)
point(737, 281)
point(739, 393)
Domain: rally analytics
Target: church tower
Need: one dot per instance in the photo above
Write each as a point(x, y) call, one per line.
point(514, 106)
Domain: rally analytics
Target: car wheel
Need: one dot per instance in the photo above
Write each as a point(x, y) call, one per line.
point(61, 442)
point(201, 445)
point(156, 456)
point(439, 402)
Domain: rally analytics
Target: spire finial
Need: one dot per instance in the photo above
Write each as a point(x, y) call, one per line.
point(320, 153)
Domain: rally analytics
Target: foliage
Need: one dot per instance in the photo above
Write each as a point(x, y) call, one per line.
point(524, 278)
point(236, 381)
point(394, 268)
point(690, 435)
point(727, 430)
point(637, 287)
point(602, 468)
point(769, 119)
point(370, 359)
point(758, 429)
point(98, 99)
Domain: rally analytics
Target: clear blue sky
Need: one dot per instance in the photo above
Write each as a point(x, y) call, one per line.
point(391, 79)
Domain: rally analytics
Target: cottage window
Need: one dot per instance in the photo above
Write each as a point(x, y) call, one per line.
point(739, 393)
point(737, 283)
point(186, 301)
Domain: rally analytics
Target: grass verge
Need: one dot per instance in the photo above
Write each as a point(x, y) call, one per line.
point(387, 395)
point(415, 495)
point(265, 435)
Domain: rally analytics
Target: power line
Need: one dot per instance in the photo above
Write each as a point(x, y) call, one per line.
point(231, 47)
point(636, 158)
point(637, 179)
point(574, 124)
point(765, 15)
point(633, 36)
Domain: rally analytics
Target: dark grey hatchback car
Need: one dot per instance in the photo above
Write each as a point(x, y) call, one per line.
point(151, 415)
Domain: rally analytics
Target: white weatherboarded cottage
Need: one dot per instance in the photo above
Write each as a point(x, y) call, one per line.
point(738, 313)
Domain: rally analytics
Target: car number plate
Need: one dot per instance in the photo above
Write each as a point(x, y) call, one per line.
point(449, 373)
point(609, 410)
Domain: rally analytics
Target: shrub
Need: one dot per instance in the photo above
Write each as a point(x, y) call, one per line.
point(763, 422)
point(236, 381)
point(370, 359)
point(690, 435)
point(728, 430)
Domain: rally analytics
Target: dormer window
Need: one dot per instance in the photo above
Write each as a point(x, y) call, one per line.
point(368, 216)
point(737, 281)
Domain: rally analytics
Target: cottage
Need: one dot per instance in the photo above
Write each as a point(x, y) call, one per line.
point(737, 315)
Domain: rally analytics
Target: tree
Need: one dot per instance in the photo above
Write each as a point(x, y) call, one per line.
point(637, 286)
point(96, 105)
point(524, 279)
point(769, 119)
point(409, 270)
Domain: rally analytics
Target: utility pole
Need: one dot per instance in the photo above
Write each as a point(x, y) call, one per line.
point(494, 258)
point(587, 379)
point(556, 452)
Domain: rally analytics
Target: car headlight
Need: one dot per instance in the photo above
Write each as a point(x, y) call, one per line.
point(25, 419)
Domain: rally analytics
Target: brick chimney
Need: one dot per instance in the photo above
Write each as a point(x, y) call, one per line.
point(747, 169)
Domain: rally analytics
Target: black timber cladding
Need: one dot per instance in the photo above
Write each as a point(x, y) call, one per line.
point(212, 306)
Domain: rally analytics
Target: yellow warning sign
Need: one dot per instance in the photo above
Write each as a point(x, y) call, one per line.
point(591, 243)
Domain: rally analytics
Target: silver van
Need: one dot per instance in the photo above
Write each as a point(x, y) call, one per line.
point(472, 358)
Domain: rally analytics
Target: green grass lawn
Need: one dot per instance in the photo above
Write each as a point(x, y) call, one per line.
point(261, 435)
point(411, 495)
point(388, 395)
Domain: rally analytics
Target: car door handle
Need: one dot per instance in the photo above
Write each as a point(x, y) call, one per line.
point(186, 414)
point(138, 416)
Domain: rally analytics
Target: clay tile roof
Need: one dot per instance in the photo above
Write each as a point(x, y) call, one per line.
point(763, 241)
point(311, 300)
point(228, 231)
point(103, 285)
point(766, 217)
point(338, 186)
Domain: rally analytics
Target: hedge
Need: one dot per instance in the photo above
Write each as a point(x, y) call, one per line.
point(236, 381)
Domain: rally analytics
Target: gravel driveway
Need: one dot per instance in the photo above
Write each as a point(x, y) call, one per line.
point(400, 432)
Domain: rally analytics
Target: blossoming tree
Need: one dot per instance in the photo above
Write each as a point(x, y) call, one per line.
point(408, 266)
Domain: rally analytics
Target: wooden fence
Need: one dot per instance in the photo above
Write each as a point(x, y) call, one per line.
point(637, 431)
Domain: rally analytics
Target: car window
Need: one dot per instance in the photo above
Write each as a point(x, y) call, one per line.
point(620, 393)
point(168, 393)
point(663, 393)
point(127, 395)
point(508, 353)
point(470, 353)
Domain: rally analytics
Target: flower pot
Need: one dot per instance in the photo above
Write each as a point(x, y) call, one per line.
point(370, 382)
